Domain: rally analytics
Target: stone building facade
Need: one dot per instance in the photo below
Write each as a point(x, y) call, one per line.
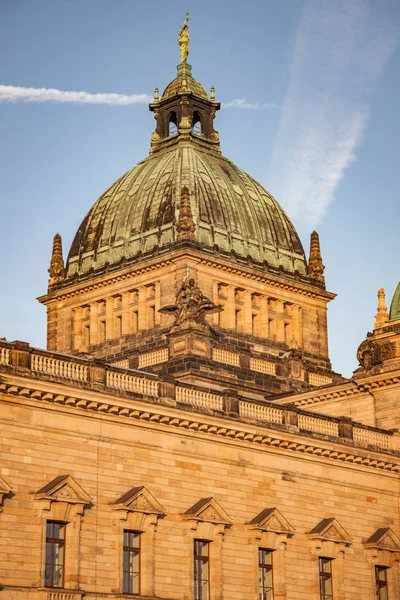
point(184, 436)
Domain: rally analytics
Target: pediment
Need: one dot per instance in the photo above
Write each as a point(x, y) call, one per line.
point(384, 539)
point(139, 499)
point(330, 530)
point(64, 488)
point(210, 511)
point(270, 519)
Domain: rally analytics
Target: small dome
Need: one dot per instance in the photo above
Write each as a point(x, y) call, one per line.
point(233, 215)
point(184, 83)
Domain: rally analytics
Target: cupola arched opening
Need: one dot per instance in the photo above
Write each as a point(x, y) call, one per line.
point(172, 123)
point(196, 126)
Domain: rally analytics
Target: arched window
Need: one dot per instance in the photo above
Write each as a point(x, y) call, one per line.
point(196, 128)
point(172, 124)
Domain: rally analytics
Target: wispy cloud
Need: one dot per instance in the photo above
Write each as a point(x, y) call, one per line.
point(242, 103)
point(13, 93)
point(340, 51)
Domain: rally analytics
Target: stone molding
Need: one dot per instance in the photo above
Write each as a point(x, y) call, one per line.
point(156, 264)
point(226, 428)
point(271, 519)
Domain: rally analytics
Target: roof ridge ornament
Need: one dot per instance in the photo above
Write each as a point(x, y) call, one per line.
point(184, 39)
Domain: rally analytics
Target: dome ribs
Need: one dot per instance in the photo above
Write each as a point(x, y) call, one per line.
point(230, 211)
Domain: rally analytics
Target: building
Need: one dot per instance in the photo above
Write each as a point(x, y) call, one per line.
point(184, 436)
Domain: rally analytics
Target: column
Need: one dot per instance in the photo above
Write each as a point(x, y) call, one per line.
point(52, 327)
point(126, 326)
point(230, 308)
point(77, 327)
point(216, 316)
point(157, 303)
point(142, 304)
point(296, 324)
point(279, 321)
point(109, 318)
point(263, 317)
point(247, 313)
point(93, 323)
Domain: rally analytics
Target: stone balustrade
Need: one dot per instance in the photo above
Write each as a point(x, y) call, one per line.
point(372, 438)
point(4, 356)
point(318, 380)
point(268, 414)
point(226, 357)
point(199, 398)
point(326, 426)
point(262, 366)
point(132, 383)
point(59, 368)
point(153, 358)
point(92, 372)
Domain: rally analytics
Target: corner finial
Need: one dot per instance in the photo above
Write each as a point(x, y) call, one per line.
point(183, 40)
point(212, 94)
point(57, 270)
point(316, 267)
point(382, 317)
point(156, 95)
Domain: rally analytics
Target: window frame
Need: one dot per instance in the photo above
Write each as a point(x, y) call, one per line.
point(53, 542)
point(265, 592)
point(378, 587)
point(325, 576)
point(200, 559)
point(128, 550)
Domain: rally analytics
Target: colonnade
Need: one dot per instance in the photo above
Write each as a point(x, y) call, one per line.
point(119, 315)
point(257, 314)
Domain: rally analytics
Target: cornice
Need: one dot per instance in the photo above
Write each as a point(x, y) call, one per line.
point(196, 422)
point(330, 393)
point(158, 263)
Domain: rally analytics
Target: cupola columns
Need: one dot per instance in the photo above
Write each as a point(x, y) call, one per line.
point(56, 270)
point(316, 268)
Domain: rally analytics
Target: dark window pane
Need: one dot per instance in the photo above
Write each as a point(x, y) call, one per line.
point(265, 574)
point(201, 570)
point(55, 554)
point(131, 562)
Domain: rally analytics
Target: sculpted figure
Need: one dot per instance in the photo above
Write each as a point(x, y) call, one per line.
point(183, 40)
point(191, 305)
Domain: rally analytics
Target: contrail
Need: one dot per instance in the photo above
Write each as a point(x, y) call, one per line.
point(11, 93)
point(341, 48)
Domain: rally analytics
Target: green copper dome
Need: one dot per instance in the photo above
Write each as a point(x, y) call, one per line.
point(394, 314)
point(232, 213)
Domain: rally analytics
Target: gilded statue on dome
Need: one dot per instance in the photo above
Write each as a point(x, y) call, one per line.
point(183, 40)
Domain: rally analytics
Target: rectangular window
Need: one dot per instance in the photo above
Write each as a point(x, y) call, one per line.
point(381, 583)
point(201, 570)
point(118, 326)
point(265, 578)
point(325, 579)
point(102, 332)
point(131, 563)
point(55, 554)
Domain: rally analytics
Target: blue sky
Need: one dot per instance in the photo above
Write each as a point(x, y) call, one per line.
point(314, 92)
